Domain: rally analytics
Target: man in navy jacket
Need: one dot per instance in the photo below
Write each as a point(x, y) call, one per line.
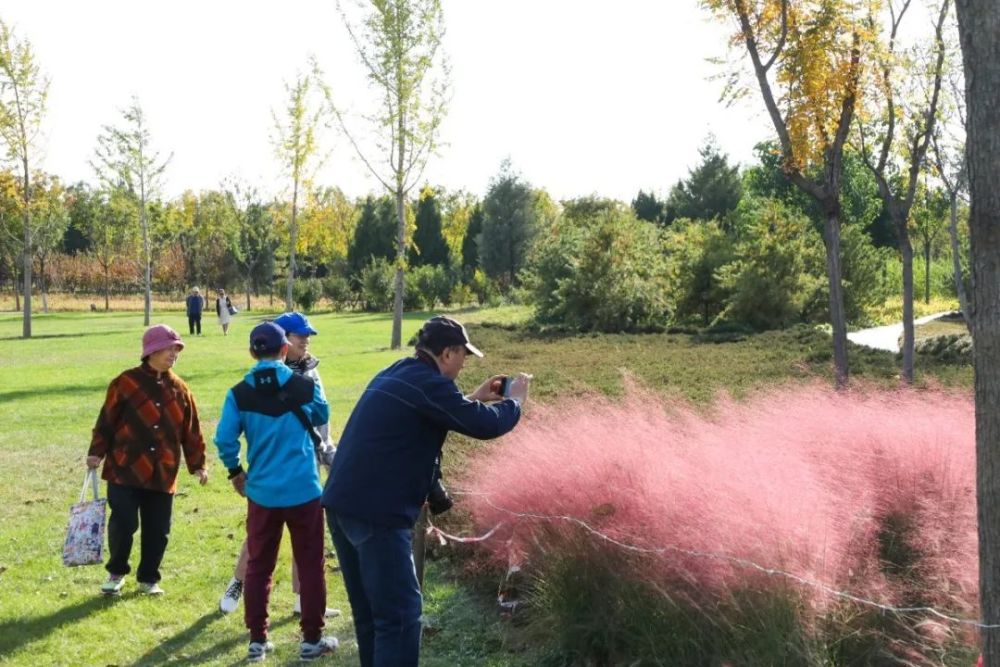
point(383, 470)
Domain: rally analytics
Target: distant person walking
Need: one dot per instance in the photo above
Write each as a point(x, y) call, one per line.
point(195, 305)
point(148, 419)
point(225, 310)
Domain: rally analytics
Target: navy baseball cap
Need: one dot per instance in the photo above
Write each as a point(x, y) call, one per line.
point(267, 338)
point(295, 323)
point(443, 331)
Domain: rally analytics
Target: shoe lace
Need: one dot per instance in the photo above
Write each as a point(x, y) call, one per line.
point(235, 589)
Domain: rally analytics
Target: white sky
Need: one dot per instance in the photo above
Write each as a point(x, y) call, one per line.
point(584, 96)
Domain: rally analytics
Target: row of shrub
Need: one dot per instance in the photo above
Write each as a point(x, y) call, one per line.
point(764, 269)
point(424, 288)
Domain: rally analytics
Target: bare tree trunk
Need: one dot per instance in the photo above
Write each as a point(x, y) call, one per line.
point(26, 286)
point(107, 288)
point(838, 318)
point(289, 296)
point(956, 263)
point(906, 248)
point(927, 272)
point(397, 305)
point(147, 259)
point(979, 32)
point(249, 279)
point(17, 289)
point(42, 286)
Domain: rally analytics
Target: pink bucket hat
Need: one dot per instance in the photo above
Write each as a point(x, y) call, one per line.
point(159, 337)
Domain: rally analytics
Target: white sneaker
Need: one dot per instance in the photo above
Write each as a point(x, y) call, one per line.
point(231, 598)
point(329, 613)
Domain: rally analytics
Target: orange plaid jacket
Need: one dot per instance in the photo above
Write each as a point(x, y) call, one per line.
point(147, 420)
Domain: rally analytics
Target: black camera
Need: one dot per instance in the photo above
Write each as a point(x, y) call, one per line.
point(438, 500)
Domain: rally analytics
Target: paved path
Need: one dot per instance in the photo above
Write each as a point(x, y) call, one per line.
point(887, 337)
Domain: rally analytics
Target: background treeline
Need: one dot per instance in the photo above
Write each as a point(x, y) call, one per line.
point(725, 247)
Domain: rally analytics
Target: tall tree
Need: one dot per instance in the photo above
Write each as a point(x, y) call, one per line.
point(429, 246)
point(711, 190)
point(124, 158)
point(895, 136)
point(11, 231)
point(252, 239)
point(927, 220)
point(399, 44)
point(50, 217)
point(949, 162)
point(111, 233)
point(510, 222)
point(24, 92)
point(812, 54)
point(374, 234)
point(648, 207)
point(296, 145)
point(326, 226)
point(470, 242)
point(83, 204)
point(979, 34)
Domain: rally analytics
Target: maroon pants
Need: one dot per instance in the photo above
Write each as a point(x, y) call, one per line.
point(264, 529)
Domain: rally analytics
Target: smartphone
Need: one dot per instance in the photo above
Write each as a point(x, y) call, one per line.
point(504, 387)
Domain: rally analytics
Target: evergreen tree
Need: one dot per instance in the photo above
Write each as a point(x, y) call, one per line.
point(83, 206)
point(429, 246)
point(648, 207)
point(509, 226)
point(711, 190)
point(375, 234)
point(470, 243)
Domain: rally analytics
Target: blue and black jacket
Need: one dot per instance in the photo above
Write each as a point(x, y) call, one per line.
point(281, 461)
point(385, 461)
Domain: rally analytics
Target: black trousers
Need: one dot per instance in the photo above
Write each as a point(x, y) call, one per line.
point(130, 505)
point(194, 322)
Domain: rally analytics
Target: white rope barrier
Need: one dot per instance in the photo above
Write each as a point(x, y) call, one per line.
point(444, 537)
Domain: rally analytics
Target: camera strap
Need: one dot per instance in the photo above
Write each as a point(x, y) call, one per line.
point(298, 412)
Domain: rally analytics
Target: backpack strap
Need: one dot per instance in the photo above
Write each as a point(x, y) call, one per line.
point(266, 391)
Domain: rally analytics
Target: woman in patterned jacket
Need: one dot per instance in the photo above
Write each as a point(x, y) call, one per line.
point(149, 419)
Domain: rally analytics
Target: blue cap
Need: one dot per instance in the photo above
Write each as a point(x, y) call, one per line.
point(295, 323)
point(267, 338)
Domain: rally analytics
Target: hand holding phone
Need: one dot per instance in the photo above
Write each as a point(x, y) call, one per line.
point(517, 388)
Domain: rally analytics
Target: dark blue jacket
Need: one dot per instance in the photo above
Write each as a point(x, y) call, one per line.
point(385, 461)
point(194, 305)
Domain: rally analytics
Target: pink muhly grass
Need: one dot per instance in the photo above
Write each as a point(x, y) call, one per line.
point(801, 479)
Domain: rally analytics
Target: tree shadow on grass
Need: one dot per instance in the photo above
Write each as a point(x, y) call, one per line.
point(59, 390)
point(172, 650)
point(18, 633)
point(102, 332)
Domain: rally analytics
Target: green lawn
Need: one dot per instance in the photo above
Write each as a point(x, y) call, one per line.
point(51, 388)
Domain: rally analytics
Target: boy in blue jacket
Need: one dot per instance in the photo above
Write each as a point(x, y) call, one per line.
point(384, 468)
point(274, 409)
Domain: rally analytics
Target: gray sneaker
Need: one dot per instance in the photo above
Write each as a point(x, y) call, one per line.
point(257, 651)
point(114, 584)
point(316, 650)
